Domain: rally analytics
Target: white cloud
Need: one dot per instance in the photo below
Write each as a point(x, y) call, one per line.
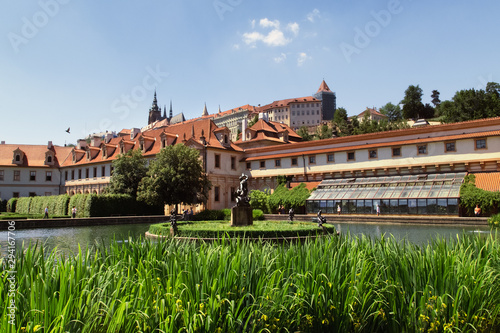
point(266, 23)
point(313, 15)
point(276, 38)
point(281, 58)
point(302, 58)
point(236, 46)
point(250, 38)
point(293, 27)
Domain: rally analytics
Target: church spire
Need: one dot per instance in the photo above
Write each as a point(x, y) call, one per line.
point(164, 112)
point(170, 114)
point(205, 112)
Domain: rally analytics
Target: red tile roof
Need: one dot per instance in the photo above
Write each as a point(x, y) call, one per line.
point(34, 155)
point(323, 87)
point(488, 181)
point(286, 102)
point(309, 185)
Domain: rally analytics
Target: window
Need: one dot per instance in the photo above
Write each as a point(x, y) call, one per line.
point(217, 161)
point(249, 165)
point(350, 156)
point(79, 173)
point(372, 153)
point(18, 158)
point(480, 143)
point(95, 172)
point(422, 149)
point(17, 175)
point(32, 194)
point(1, 174)
point(312, 159)
point(294, 161)
point(450, 146)
point(330, 158)
point(262, 164)
point(111, 169)
point(48, 176)
point(66, 175)
point(15, 194)
point(217, 193)
point(49, 159)
point(103, 171)
point(32, 175)
point(396, 151)
point(87, 173)
point(277, 163)
point(72, 174)
point(233, 163)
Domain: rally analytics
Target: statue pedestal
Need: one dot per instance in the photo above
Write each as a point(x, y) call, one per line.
point(241, 216)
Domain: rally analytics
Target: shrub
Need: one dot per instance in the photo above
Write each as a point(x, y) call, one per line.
point(494, 221)
point(259, 200)
point(11, 205)
point(258, 215)
point(3, 205)
point(470, 196)
point(209, 215)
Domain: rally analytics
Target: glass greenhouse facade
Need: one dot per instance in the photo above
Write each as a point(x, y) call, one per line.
point(411, 194)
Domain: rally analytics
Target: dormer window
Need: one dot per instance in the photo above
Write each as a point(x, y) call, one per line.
point(141, 144)
point(49, 159)
point(18, 156)
point(163, 142)
point(104, 152)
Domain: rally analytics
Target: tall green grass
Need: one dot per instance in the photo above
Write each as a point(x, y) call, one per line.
point(337, 284)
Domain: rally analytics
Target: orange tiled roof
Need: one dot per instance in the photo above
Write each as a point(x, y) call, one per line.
point(286, 102)
point(356, 145)
point(488, 181)
point(34, 155)
point(309, 185)
point(372, 111)
point(323, 87)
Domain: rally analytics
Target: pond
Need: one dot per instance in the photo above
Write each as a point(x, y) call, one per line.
point(66, 240)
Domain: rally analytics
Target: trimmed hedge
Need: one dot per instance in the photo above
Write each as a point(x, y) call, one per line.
point(223, 215)
point(3, 205)
point(92, 205)
point(218, 229)
point(11, 205)
point(57, 205)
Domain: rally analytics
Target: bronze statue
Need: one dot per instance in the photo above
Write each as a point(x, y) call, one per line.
point(242, 192)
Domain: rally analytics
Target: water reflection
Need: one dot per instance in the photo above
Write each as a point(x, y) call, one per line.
point(66, 240)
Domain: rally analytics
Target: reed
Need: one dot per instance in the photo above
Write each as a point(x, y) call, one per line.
point(333, 284)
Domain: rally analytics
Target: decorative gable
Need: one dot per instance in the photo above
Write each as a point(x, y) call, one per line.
point(49, 157)
point(18, 156)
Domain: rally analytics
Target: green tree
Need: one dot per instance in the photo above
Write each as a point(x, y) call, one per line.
point(472, 104)
point(412, 102)
point(393, 112)
point(128, 171)
point(304, 133)
point(427, 111)
point(340, 124)
point(323, 132)
point(435, 99)
point(253, 121)
point(259, 200)
point(175, 176)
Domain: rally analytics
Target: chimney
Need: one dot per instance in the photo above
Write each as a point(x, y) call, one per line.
point(244, 129)
point(82, 144)
point(134, 132)
point(95, 141)
point(108, 137)
point(49, 145)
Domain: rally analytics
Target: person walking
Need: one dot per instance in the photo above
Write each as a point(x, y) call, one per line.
point(338, 209)
point(46, 212)
point(73, 212)
point(378, 210)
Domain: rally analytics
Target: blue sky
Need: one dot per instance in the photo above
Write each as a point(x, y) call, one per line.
point(93, 66)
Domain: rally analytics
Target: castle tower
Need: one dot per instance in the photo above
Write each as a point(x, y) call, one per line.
point(328, 101)
point(205, 111)
point(154, 111)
